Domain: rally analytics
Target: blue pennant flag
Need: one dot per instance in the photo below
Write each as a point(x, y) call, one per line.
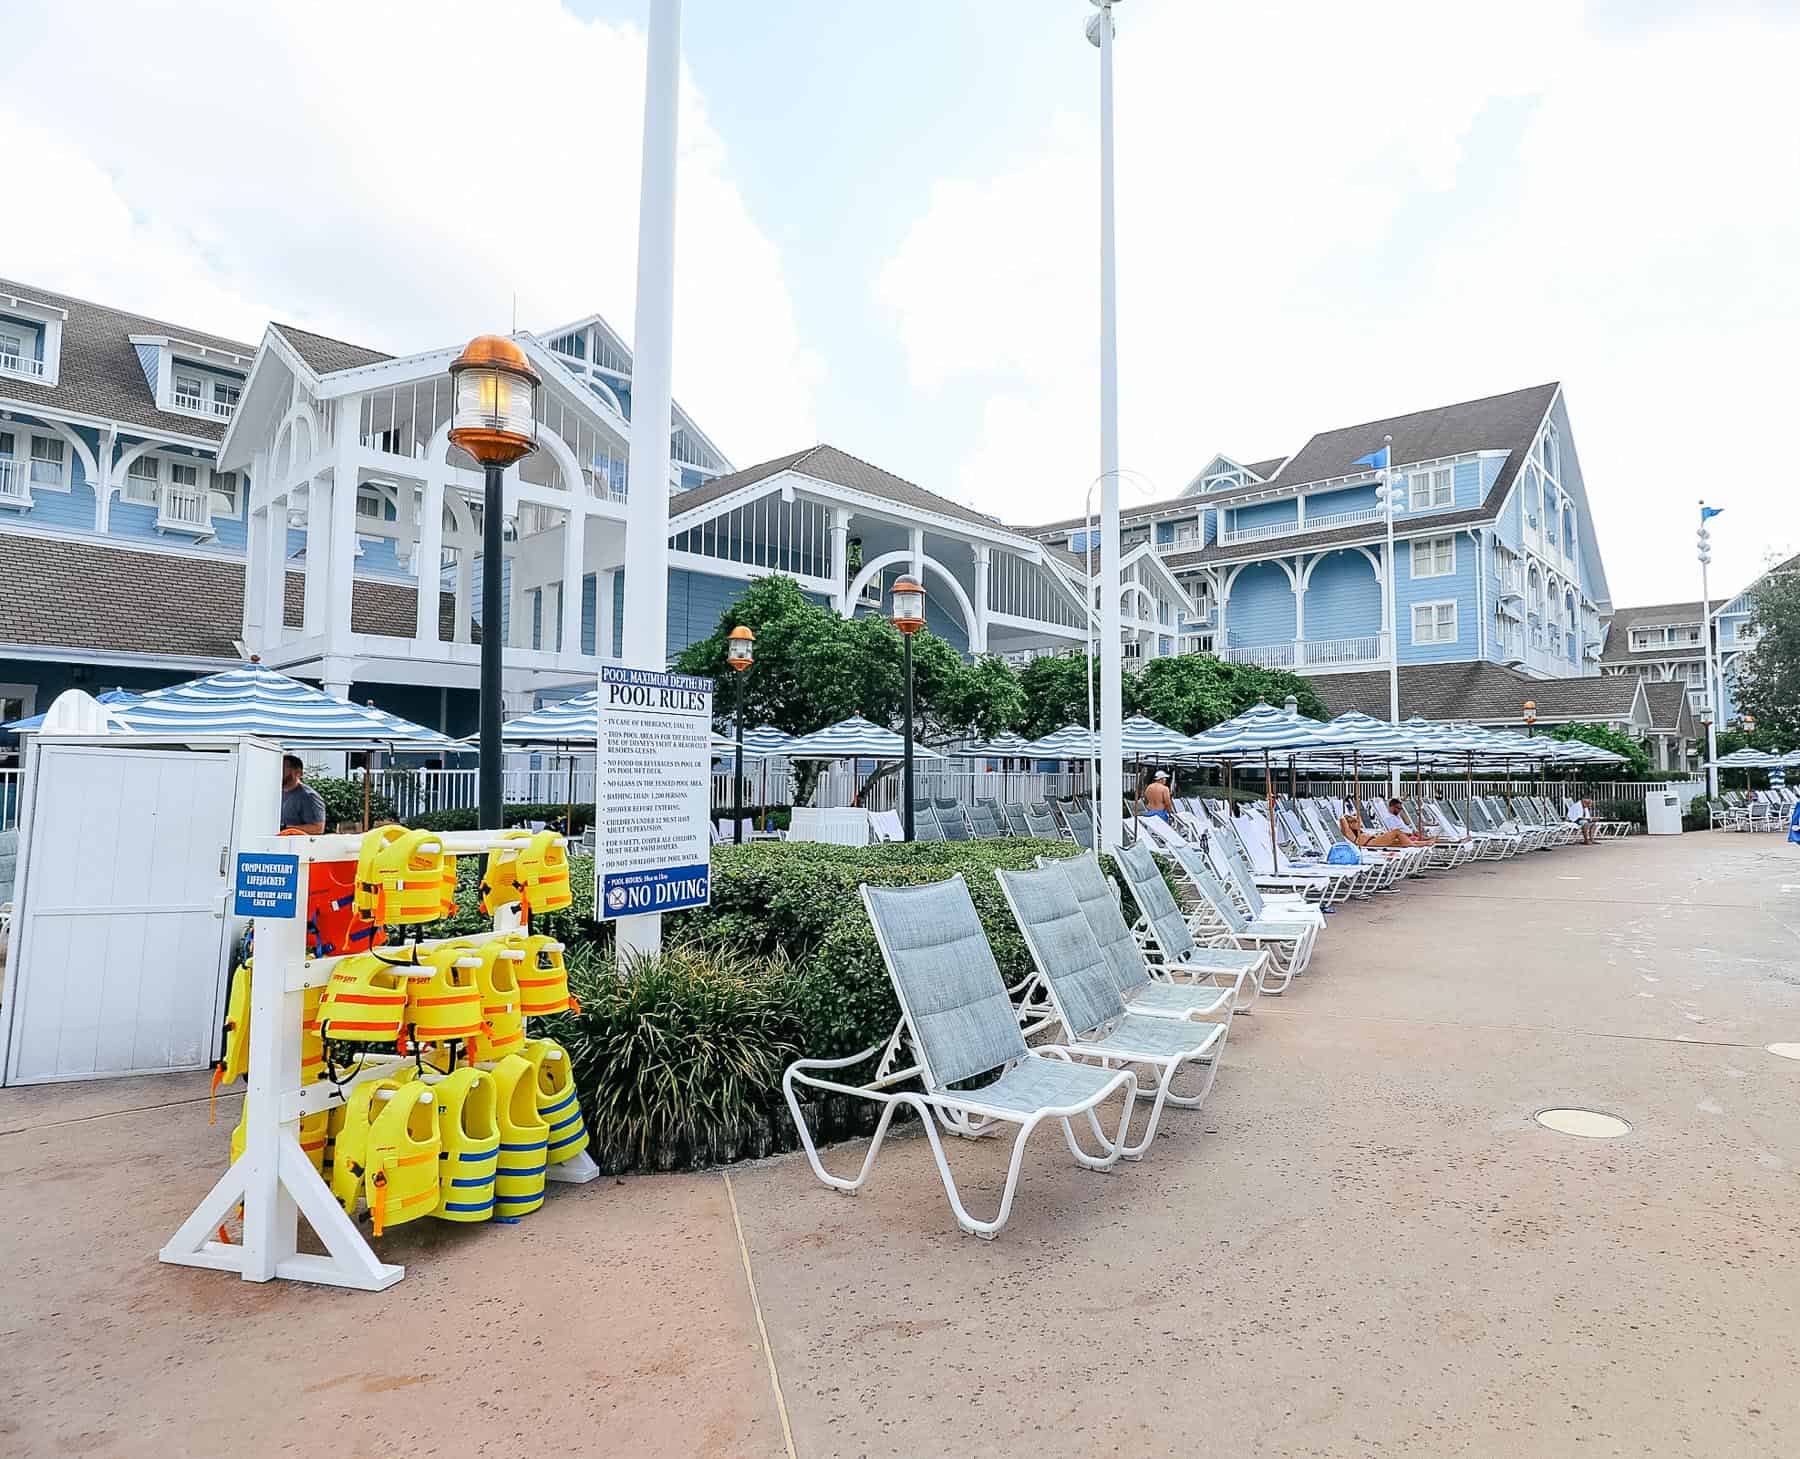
point(1706, 512)
point(1377, 459)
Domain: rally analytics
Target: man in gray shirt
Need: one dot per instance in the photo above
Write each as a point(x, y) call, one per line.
point(302, 807)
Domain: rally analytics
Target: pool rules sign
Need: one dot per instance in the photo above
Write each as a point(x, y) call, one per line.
point(654, 792)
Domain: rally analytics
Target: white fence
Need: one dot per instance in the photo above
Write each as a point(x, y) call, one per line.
point(9, 798)
point(1457, 787)
point(842, 785)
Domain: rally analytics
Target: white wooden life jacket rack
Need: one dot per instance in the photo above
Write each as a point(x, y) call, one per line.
point(273, 1179)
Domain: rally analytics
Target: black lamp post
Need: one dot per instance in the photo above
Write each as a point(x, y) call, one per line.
point(493, 418)
point(909, 618)
point(740, 653)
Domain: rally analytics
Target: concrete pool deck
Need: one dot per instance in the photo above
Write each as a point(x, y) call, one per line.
point(1362, 1244)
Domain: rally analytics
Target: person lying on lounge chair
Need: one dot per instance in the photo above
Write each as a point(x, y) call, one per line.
point(1350, 823)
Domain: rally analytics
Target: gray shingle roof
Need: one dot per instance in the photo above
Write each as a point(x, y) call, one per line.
point(1488, 693)
point(1264, 469)
point(827, 463)
point(81, 595)
point(1669, 711)
point(324, 355)
point(1623, 620)
point(99, 373)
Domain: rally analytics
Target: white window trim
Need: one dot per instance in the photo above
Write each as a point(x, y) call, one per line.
point(63, 482)
point(1416, 482)
point(1455, 633)
point(153, 484)
point(1412, 556)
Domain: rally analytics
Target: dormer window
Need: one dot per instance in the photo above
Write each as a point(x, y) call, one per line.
point(12, 349)
point(189, 392)
point(225, 397)
point(1434, 488)
point(30, 338)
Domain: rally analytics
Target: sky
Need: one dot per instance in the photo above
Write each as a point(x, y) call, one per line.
point(887, 234)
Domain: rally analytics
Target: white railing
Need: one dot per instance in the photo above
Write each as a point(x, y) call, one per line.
point(1188, 541)
point(1326, 523)
point(1263, 656)
point(185, 508)
point(188, 402)
point(22, 365)
point(224, 408)
point(15, 484)
point(1511, 580)
point(1447, 785)
point(843, 783)
point(10, 781)
point(1321, 653)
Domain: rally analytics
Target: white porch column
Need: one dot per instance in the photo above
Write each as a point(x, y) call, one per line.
point(518, 621)
point(427, 555)
point(915, 541)
point(463, 629)
point(978, 630)
point(271, 579)
point(342, 546)
point(604, 628)
point(574, 545)
point(104, 458)
point(318, 555)
point(1299, 607)
point(840, 557)
point(256, 553)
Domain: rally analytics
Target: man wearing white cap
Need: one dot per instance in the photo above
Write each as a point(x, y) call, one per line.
point(1157, 800)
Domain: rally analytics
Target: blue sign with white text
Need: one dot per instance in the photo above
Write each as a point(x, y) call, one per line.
point(657, 889)
point(267, 885)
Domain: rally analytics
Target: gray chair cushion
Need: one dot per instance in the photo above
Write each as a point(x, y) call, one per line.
point(1201, 874)
point(1152, 895)
point(1093, 894)
point(1056, 931)
point(945, 975)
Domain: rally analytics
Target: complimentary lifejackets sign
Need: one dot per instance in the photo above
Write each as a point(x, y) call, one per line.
point(266, 885)
point(654, 791)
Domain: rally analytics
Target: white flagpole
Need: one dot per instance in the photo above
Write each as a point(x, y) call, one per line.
point(1112, 654)
point(1393, 613)
point(1714, 700)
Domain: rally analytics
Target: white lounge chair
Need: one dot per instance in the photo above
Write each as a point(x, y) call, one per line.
point(957, 1023)
point(1095, 1022)
point(1289, 944)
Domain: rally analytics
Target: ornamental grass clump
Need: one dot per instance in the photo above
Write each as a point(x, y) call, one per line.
point(678, 1056)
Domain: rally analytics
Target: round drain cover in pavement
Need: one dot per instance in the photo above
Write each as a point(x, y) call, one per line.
point(1590, 1124)
point(1785, 1051)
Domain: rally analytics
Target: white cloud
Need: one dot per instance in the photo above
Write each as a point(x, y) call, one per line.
point(387, 173)
point(1334, 213)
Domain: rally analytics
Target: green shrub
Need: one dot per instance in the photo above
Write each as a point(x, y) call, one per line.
point(343, 797)
point(678, 1059)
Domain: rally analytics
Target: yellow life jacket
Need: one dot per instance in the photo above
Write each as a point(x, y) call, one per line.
point(502, 1020)
point(365, 1001)
point(543, 977)
point(233, 1062)
point(499, 878)
point(447, 888)
point(236, 1062)
point(396, 880)
point(524, 1137)
point(401, 1180)
point(350, 1151)
point(542, 872)
point(312, 1042)
point(469, 1126)
point(556, 1102)
point(447, 1005)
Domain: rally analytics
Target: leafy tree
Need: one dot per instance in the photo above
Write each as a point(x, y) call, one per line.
point(985, 698)
point(1055, 690)
point(1608, 738)
point(1768, 677)
point(1193, 692)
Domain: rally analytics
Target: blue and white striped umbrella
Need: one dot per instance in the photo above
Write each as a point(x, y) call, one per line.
point(1377, 739)
point(110, 696)
point(254, 700)
point(765, 741)
point(854, 739)
point(1003, 746)
point(1748, 758)
point(1264, 729)
point(565, 722)
point(1071, 742)
point(1139, 739)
